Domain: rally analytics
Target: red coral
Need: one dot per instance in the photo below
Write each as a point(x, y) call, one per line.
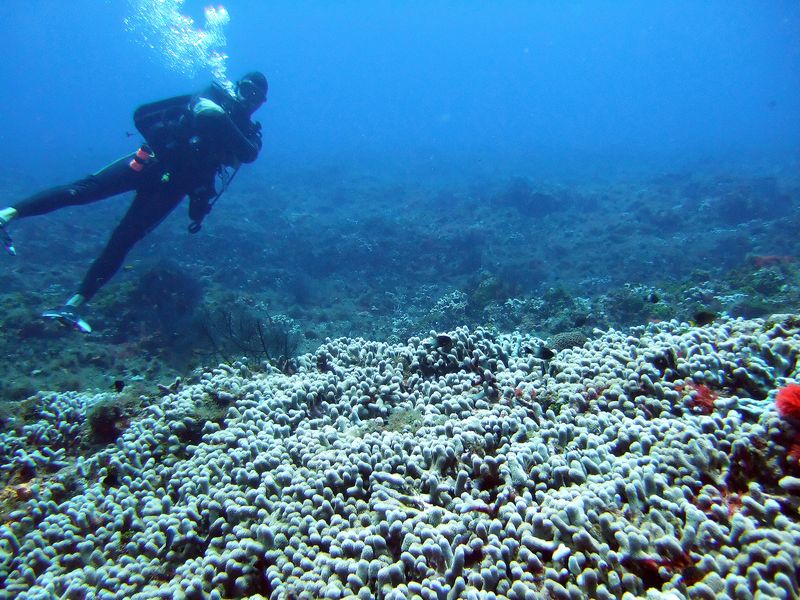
point(793, 455)
point(702, 399)
point(787, 401)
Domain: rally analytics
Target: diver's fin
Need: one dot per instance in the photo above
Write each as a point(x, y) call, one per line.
point(68, 316)
point(6, 240)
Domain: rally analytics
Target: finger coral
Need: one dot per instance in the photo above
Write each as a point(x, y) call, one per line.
point(415, 470)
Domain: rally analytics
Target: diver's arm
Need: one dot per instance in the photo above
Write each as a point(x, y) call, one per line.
point(212, 119)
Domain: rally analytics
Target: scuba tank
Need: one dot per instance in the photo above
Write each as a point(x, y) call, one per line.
point(168, 128)
point(165, 124)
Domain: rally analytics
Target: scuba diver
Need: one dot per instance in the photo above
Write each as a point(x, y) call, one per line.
point(189, 141)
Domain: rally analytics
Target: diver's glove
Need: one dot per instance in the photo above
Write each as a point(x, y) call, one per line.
point(68, 316)
point(5, 239)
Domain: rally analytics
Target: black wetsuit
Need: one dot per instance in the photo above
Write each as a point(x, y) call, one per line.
point(212, 140)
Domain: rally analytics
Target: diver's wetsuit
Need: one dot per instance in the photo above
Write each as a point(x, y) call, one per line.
point(214, 139)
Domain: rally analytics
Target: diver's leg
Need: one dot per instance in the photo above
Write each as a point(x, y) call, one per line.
point(146, 212)
point(149, 208)
point(114, 179)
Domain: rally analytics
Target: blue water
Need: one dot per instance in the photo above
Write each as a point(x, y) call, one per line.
point(442, 85)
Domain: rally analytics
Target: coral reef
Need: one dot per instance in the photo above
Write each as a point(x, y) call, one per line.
point(454, 466)
point(395, 260)
point(659, 461)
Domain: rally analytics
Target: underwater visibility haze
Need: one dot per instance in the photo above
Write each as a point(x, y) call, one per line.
point(506, 307)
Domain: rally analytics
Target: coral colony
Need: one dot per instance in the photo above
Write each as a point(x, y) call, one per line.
point(659, 462)
point(787, 401)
